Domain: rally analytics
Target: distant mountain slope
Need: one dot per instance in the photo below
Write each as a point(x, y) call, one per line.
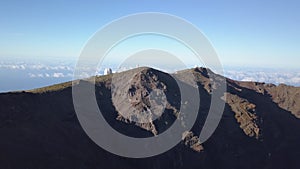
point(259, 127)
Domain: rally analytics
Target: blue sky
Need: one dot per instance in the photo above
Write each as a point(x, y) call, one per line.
point(244, 33)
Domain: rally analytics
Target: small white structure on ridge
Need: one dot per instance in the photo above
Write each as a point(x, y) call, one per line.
point(107, 71)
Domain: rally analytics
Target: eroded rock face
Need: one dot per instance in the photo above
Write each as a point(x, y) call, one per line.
point(244, 114)
point(192, 141)
point(287, 97)
point(147, 95)
point(143, 97)
point(208, 79)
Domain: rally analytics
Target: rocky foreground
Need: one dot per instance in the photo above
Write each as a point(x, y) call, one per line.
point(259, 128)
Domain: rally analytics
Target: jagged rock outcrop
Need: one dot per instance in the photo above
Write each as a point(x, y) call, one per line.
point(146, 96)
point(192, 141)
point(244, 114)
point(209, 80)
point(287, 97)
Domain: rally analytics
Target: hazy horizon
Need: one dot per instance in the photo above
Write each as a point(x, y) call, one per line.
point(30, 74)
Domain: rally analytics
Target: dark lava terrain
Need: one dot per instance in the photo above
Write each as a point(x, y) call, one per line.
point(259, 129)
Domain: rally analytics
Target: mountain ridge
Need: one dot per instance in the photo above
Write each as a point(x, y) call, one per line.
point(257, 129)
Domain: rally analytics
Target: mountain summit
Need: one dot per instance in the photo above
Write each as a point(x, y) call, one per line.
point(258, 128)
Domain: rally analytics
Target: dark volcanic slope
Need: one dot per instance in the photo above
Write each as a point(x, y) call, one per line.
point(258, 130)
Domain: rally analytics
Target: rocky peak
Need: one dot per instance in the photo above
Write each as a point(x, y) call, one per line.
point(144, 99)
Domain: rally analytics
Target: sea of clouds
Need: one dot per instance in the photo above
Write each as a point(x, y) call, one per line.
point(275, 76)
point(30, 74)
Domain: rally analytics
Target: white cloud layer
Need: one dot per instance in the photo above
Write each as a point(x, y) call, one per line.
point(58, 75)
point(61, 70)
point(47, 75)
point(286, 77)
